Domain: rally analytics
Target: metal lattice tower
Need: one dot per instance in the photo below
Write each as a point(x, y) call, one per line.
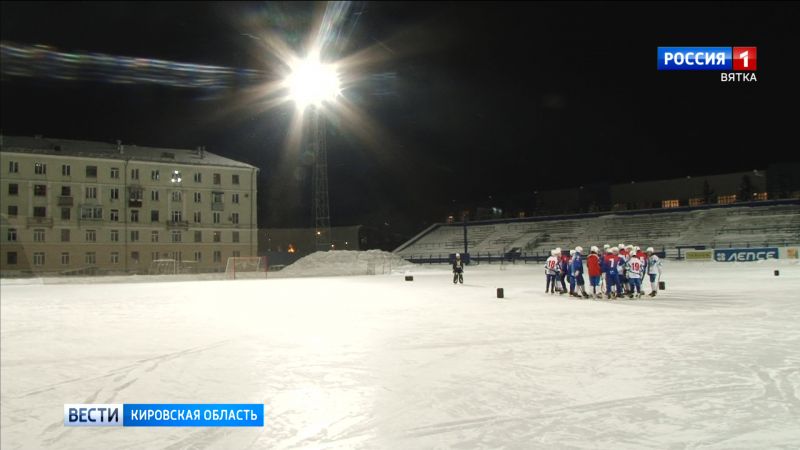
point(321, 205)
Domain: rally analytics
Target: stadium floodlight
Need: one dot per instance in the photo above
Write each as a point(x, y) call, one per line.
point(312, 82)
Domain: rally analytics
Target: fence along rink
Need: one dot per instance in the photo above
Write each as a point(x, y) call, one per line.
point(246, 267)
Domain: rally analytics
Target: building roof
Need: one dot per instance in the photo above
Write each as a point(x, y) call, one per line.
point(91, 149)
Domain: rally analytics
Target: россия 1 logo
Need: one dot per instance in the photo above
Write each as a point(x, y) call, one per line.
point(735, 63)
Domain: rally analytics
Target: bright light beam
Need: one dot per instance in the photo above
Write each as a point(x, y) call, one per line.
point(312, 83)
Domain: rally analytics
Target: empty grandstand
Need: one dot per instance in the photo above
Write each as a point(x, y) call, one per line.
point(749, 225)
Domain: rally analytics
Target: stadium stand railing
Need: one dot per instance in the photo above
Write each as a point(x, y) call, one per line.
point(756, 224)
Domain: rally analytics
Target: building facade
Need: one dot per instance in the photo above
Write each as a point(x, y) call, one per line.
point(69, 207)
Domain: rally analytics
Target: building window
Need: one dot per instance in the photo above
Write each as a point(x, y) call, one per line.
point(91, 171)
point(66, 170)
point(65, 214)
point(13, 210)
point(154, 256)
point(217, 236)
point(198, 256)
point(134, 235)
point(670, 203)
point(726, 199)
point(13, 167)
point(197, 217)
point(216, 217)
point(65, 235)
point(154, 215)
point(65, 259)
point(114, 257)
point(134, 215)
point(235, 218)
point(11, 258)
point(91, 193)
point(197, 197)
point(176, 235)
point(134, 174)
point(176, 196)
point(66, 191)
point(91, 213)
point(13, 189)
point(12, 234)
point(217, 256)
point(115, 173)
point(760, 196)
point(114, 215)
point(38, 235)
point(91, 236)
point(176, 216)
point(154, 175)
point(91, 258)
point(198, 177)
point(114, 236)
point(154, 195)
point(198, 236)
point(217, 178)
point(135, 257)
point(40, 168)
point(39, 211)
point(696, 201)
point(216, 197)
point(114, 193)
point(235, 179)
point(235, 236)
point(38, 258)
point(235, 198)
point(154, 236)
point(39, 190)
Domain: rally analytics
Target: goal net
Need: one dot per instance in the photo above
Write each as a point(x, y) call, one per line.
point(246, 267)
point(163, 267)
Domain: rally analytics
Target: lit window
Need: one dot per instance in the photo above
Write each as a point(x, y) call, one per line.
point(670, 203)
point(726, 199)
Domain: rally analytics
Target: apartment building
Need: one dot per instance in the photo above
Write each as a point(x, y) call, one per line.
point(70, 207)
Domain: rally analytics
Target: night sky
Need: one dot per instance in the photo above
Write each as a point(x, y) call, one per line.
point(472, 100)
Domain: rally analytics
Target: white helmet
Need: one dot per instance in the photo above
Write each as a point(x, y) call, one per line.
point(650, 250)
point(571, 252)
point(620, 246)
point(579, 249)
point(636, 248)
point(608, 250)
point(629, 247)
point(614, 250)
point(553, 252)
point(458, 255)
point(595, 249)
point(606, 246)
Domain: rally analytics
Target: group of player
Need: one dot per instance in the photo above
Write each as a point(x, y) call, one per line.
point(617, 272)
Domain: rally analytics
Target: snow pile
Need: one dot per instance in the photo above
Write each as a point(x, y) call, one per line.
point(344, 262)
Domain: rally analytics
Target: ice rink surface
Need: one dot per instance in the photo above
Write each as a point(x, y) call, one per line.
point(378, 362)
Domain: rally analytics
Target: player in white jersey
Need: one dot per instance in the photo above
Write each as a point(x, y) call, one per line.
point(653, 269)
point(634, 268)
point(551, 268)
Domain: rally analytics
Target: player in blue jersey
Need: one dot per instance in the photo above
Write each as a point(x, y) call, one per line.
point(577, 272)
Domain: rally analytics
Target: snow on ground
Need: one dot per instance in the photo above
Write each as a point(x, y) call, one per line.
point(344, 262)
point(378, 362)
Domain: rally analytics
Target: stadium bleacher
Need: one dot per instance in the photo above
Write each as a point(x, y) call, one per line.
point(716, 227)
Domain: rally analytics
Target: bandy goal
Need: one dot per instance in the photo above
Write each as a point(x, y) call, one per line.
point(246, 267)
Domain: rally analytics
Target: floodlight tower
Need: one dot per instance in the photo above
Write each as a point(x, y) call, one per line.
point(312, 84)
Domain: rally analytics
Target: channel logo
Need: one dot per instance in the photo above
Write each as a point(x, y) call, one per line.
point(736, 63)
point(164, 415)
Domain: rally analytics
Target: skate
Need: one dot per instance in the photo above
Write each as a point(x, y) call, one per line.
point(585, 295)
point(653, 294)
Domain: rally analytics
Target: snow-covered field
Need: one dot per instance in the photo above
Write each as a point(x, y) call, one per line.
point(378, 362)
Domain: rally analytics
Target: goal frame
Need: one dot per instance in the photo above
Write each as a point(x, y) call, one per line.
point(261, 266)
